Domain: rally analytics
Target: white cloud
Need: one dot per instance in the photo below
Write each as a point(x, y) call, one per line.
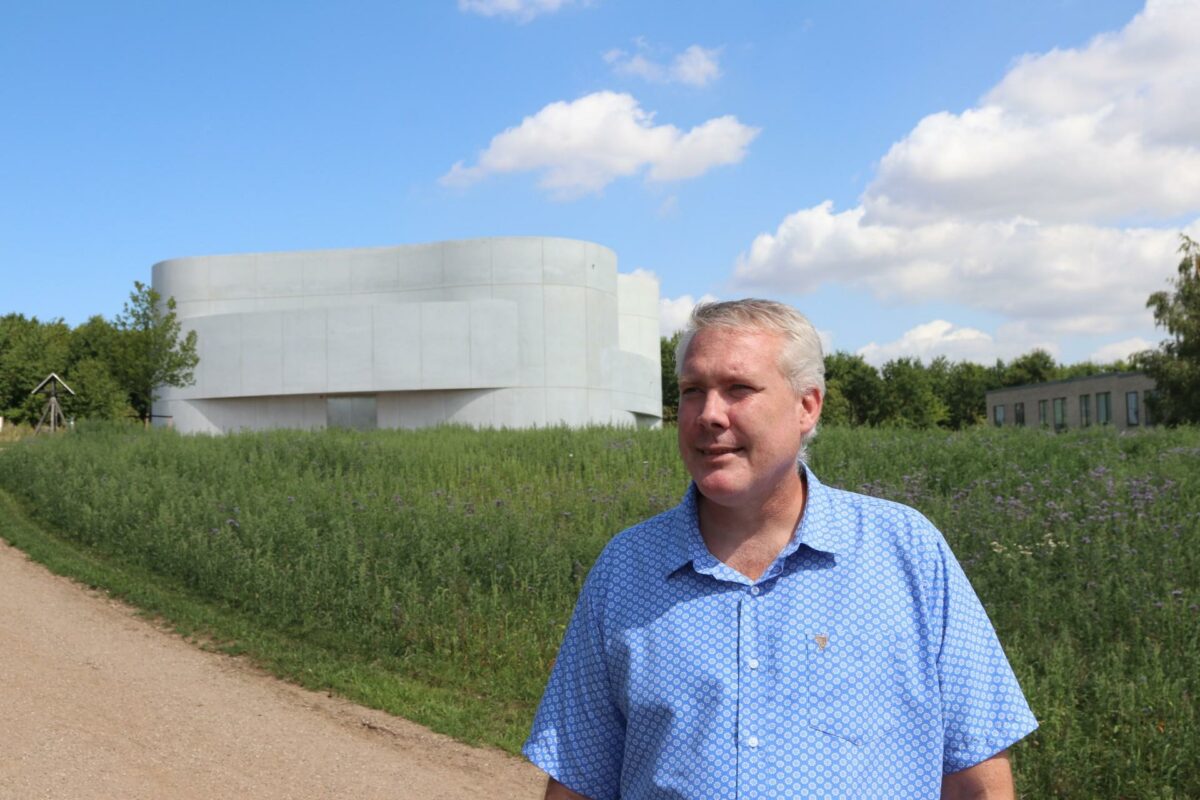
point(1119, 351)
point(1104, 133)
point(673, 314)
point(942, 338)
point(1055, 202)
point(521, 10)
point(583, 145)
point(696, 66)
point(1070, 278)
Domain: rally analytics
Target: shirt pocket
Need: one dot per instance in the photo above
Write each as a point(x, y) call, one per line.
point(853, 687)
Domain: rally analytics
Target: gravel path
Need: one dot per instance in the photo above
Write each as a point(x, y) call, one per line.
point(98, 703)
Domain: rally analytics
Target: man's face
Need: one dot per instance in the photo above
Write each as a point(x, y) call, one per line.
point(740, 423)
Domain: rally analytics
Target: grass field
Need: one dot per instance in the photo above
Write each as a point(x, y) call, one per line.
point(431, 573)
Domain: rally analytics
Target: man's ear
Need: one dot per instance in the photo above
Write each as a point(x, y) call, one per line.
point(809, 407)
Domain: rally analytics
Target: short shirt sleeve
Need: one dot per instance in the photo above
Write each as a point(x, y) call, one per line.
point(984, 710)
point(578, 735)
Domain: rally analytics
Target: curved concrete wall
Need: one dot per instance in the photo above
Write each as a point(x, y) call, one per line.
point(503, 332)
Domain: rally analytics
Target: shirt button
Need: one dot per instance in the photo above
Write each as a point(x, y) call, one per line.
point(755, 590)
point(753, 663)
point(752, 741)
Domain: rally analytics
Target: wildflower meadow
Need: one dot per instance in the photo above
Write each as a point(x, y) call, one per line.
point(435, 570)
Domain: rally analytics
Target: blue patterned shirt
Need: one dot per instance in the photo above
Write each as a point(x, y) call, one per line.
point(860, 665)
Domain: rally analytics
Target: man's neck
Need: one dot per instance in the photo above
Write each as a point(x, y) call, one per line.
point(748, 537)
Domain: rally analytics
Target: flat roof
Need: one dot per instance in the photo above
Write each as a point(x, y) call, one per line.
point(1077, 379)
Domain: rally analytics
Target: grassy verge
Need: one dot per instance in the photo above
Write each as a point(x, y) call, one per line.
point(431, 573)
point(378, 683)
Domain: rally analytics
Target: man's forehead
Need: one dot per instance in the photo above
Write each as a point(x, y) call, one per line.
point(733, 351)
point(736, 341)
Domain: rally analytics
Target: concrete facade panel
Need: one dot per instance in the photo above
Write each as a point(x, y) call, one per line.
point(374, 270)
point(190, 309)
point(349, 335)
point(649, 341)
point(186, 280)
point(494, 344)
point(564, 261)
point(412, 410)
point(305, 360)
point(419, 266)
point(475, 408)
point(325, 274)
point(279, 276)
point(262, 353)
point(599, 405)
point(234, 305)
point(397, 363)
point(602, 337)
point(569, 407)
point(566, 350)
point(601, 268)
point(531, 331)
point(638, 295)
point(467, 293)
point(445, 345)
point(520, 408)
point(516, 261)
point(231, 280)
point(219, 341)
point(467, 263)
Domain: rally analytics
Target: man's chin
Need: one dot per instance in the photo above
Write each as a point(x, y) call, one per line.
point(717, 487)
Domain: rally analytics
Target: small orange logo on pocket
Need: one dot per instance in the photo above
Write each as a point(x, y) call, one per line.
point(822, 639)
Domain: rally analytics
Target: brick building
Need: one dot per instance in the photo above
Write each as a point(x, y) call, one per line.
point(1117, 399)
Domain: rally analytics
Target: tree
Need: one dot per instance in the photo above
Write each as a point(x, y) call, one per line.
point(91, 370)
point(670, 382)
point(859, 386)
point(909, 399)
point(150, 353)
point(1175, 365)
point(835, 408)
point(1036, 366)
point(965, 392)
point(98, 395)
point(29, 351)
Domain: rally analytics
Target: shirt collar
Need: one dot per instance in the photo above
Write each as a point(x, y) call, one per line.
point(819, 529)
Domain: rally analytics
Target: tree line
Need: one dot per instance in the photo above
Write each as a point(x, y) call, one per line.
point(114, 367)
point(907, 392)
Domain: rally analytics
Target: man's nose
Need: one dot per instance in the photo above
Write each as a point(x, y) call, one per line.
point(713, 412)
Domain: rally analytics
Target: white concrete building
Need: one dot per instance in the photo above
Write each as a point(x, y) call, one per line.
point(503, 332)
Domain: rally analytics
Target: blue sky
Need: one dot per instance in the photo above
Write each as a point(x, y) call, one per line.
point(968, 179)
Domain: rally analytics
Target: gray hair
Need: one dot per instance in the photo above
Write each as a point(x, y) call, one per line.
point(801, 359)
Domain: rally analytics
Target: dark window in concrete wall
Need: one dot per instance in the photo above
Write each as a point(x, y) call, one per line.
point(1060, 413)
point(1148, 414)
point(998, 415)
point(1019, 414)
point(1085, 410)
point(358, 413)
point(1043, 413)
point(1131, 409)
point(1103, 408)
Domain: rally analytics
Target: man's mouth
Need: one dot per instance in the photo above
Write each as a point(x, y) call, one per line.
point(719, 450)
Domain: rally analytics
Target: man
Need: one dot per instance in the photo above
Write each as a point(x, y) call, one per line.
point(772, 637)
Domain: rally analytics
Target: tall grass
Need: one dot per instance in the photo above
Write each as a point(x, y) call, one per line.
point(454, 556)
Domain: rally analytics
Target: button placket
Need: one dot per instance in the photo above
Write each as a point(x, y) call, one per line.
point(751, 685)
